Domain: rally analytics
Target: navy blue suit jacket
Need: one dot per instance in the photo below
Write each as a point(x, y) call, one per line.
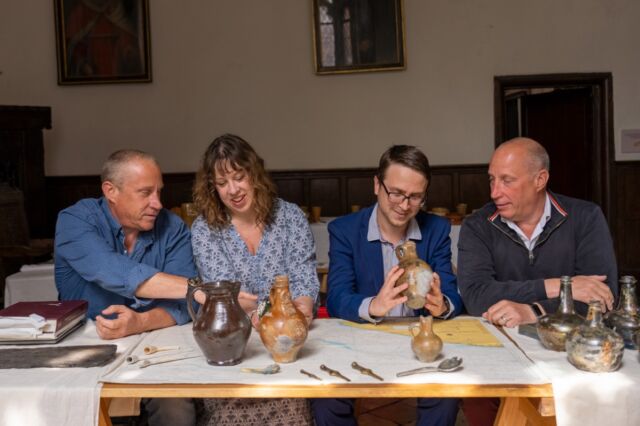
point(355, 264)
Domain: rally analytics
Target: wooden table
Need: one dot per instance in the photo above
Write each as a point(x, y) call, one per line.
point(520, 400)
point(519, 403)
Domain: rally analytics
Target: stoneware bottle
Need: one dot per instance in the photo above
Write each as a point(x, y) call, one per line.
point(417, 273)
point(221, 327)
point(426, 344)
point(592, 346)
point(283, 329)
point(553, 329)
point(625, 320)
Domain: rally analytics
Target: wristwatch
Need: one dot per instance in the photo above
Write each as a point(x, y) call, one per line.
point(537, 311)
point(194, 281)
point(447, 305)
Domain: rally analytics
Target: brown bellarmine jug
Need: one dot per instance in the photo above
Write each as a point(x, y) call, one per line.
point(221, 328)
point(417, 273)
point(283, 329)
point(426, 344)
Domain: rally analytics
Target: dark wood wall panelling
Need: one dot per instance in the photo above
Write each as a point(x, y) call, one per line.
point(334, 190)
point(626, 220)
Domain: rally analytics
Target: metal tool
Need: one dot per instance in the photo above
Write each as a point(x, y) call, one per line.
point(366, 371)
point(446, 366)
point(269, 369)
point(334, 373)
point(313, 376)
point(132, 359)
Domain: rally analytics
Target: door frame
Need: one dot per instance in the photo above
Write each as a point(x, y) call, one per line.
point(601, 85)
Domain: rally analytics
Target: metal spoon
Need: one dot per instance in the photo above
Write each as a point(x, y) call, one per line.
point(446, 366)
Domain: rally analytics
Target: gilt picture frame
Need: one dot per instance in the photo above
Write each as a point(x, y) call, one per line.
point(358, 36)
point(102, 41)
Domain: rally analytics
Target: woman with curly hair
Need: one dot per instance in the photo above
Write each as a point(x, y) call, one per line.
point(245, 233)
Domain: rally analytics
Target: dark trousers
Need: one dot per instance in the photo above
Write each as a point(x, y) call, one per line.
point(339, 412)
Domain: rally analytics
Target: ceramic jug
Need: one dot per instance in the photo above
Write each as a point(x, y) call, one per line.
point(592, 346)
point(553, 329)
point(221, 327)
point(283, 328)
point(417, 273)
point(426, 344)
point(625, 320)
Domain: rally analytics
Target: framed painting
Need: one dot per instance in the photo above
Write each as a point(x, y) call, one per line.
point(358, 36)
point(102, 41)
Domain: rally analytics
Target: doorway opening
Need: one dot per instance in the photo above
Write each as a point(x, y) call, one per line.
point(571, 115)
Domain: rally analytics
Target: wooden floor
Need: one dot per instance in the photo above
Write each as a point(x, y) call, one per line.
point(391, 412)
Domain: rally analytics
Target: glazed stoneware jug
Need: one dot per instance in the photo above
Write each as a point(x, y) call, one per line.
point(283, 328)
point(417, 273)
point(221, 327)
point(625, 320)
point(426, 344)
point(592, 346)
point(553, 329)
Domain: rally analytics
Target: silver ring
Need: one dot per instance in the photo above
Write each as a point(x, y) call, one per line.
point(503, 320)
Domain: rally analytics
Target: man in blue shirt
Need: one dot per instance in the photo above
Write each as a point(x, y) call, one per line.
point(130, 259)
point(363, 269)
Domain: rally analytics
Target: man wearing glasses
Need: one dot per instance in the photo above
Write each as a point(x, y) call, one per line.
point(363, 267)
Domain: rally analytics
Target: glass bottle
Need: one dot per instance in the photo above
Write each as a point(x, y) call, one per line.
point(553, 329)
point(592, 346)
point(625, 319)
point(426, 344)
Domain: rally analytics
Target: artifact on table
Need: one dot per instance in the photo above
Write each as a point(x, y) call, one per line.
point(334, 373)
point(625, 320)
point(417, 274)
point(365, 371)
point(221, 328)
point(426, 344)
point(592, 346)
point(553, 329)
point(283, 329)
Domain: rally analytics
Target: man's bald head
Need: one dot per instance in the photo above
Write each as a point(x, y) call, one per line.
point(530, 151)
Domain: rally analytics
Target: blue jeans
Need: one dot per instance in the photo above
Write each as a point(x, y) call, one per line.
point(170, 411)
point(339, 411)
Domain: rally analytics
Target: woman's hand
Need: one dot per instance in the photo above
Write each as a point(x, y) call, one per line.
point(305, 305)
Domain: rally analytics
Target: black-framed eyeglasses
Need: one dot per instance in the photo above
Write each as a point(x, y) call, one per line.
point(399, 197)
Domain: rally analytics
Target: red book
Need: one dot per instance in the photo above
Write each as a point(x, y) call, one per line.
point(57, 313)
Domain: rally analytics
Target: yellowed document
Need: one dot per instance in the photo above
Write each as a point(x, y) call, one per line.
point(465, 331)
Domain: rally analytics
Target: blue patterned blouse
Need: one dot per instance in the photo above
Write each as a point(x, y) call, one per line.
point(286, 248)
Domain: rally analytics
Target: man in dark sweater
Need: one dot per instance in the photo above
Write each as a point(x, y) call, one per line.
point(514, 250)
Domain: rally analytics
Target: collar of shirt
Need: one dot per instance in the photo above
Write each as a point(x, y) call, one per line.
point(373, 232)
point(530, 242)
point(144, 239)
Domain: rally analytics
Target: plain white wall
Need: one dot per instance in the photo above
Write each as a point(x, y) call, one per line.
point(246, 66)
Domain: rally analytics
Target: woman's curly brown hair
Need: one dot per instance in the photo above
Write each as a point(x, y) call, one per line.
point(232, 151)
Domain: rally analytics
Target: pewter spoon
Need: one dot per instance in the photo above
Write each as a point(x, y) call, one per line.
point(446, 366)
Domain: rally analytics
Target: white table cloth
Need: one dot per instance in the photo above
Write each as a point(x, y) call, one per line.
point(57, 396)
point(32, 283)
point(332, 343)
point(583, 398)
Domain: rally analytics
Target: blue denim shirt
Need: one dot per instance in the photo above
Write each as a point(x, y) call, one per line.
point(91, 262)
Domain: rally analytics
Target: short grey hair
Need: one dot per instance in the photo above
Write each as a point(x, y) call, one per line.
point(112, 168)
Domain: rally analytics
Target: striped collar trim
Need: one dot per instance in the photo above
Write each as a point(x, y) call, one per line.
point(557, 205)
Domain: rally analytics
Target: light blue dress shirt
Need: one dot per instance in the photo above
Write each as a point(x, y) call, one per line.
point(91, 262)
